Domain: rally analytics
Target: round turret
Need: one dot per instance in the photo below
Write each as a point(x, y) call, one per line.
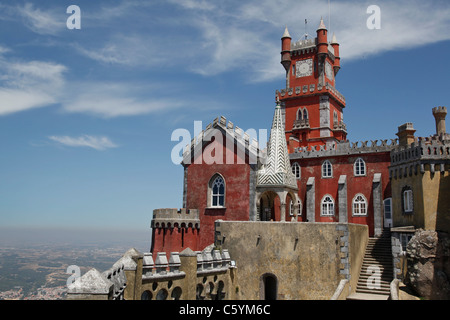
point(337, 59)
point(286, 49)
point(322, 38)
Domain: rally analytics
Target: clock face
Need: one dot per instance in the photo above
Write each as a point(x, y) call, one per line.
point(304, 68)
point(329, 71)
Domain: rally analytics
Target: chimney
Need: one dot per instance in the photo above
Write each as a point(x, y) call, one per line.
point(439, 114)
point(406, 134)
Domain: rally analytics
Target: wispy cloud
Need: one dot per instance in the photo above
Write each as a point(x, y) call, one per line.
point(116, 99)
point(28, 84)
point(48, 22)
point(95, 142)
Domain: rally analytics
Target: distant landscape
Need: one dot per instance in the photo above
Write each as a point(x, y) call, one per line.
point(34, 262)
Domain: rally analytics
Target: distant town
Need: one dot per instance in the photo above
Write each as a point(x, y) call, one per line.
point(40, 271)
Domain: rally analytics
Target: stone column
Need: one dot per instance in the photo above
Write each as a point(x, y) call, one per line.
point(310, 200)
point(342, 198)
point(282, 196)
point(377, 204)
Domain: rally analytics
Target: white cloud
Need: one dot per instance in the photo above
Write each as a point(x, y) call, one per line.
point(114, 99)
point(98, 143)
point(28, 85)
point(42, 22)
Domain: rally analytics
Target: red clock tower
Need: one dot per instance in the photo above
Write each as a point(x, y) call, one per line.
point(313, 107)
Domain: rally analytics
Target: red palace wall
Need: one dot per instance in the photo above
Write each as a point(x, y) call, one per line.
point(343, 165)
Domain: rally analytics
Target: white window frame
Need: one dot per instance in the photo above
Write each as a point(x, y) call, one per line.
point(327, 169)
point(408, 201)
point(359, 168)
point(327, 206)
point(359, 206)
point(216, 194)
point(296, 170)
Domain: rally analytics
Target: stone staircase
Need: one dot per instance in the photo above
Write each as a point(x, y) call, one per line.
point(376, 271)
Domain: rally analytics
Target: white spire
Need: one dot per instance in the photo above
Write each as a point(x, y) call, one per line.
point(322, 25)
point(333, 40)
point(286, 33)
point(277, 170)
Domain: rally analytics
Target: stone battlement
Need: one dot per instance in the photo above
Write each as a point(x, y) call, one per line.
point(439, 110)
point(178, 218)
point(311, 89)
point(135, 274)
point(343, 148)
point(430, 151)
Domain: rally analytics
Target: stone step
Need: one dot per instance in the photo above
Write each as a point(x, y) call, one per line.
point(373, 291)
point(367, 296)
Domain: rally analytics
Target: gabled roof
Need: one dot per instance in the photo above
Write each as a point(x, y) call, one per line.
point(231, 132)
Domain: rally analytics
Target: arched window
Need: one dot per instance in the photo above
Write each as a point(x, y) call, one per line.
point(327, 169)
point(359, 205)
point(359, 167)
point(327, 208)
point(299, 114)
point(305, 114)
point(216, 190)
point(296, 170)
point(176, 293)
point(335, 117)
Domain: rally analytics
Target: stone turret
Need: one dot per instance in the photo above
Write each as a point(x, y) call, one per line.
point(406, 134)
point(439, 114)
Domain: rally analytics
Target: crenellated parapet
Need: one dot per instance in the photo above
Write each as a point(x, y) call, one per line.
point(161, 268)
point(214, 261)
point(175, 218)
point(311, 89)
point(423, 153)
point(343, 148)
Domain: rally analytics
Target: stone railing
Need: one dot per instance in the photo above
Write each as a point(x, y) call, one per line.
point(107, 285)
point(300, 124)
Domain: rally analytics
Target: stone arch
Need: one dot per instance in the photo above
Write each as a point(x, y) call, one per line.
point(268, 287)
point(267, 210)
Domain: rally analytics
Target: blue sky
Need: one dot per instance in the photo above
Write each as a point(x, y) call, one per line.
point(86, 116)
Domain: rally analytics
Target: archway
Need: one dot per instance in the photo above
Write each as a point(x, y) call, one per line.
point(269, 206)
point(269, 287)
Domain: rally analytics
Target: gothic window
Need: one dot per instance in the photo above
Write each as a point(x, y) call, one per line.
point(296, 170)
point(407, 200)
point(327, 169)
point(359, 167)
point(217, 191)
point(359, 205)
point(299, 114)
point(335, 117)
point(327, 208)
point(305, 114)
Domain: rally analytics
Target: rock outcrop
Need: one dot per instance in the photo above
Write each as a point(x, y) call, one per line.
point(428, 255)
